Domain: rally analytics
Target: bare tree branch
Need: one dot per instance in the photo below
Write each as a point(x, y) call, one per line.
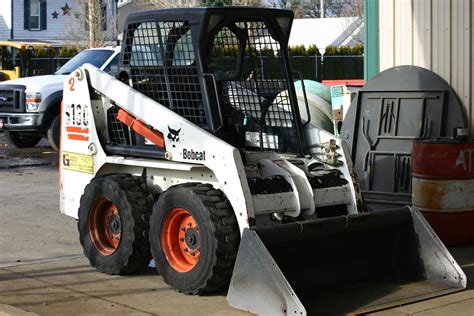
point(94, 23)
point(163, 4)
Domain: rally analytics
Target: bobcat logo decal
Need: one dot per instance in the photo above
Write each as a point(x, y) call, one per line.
point(173, 134)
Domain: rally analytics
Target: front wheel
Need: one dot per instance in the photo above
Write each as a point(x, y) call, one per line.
point(113, 224)
point(23, 139)
point(194, 238)
point(53, 132)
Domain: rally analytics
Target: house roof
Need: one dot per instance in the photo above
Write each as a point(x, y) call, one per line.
point(327, 31)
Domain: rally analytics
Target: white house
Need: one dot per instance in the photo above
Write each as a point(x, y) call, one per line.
point(58, 22)
point(345, 31)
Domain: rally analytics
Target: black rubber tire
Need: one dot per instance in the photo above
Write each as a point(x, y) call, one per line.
point(53, 132)
point(134, 204)
point(219, 238)
point(22, 139)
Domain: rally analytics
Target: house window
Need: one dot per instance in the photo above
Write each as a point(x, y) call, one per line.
point(35, 15)
point(103, 16)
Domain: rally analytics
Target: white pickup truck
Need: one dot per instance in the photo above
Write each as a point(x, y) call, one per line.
point(29, 107)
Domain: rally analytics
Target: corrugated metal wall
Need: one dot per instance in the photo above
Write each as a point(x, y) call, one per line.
point(434, 34)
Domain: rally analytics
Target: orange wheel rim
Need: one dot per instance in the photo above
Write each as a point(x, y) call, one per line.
point(105, 226)
point(180, 240)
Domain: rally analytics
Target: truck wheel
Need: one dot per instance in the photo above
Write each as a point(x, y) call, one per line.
point(194, 238)
point(53, 132)
point(22, 139)
point(113, 224)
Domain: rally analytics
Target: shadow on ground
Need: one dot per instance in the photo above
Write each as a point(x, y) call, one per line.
point(40, 155)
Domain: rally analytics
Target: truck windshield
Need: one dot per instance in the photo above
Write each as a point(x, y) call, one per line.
point(96, 57)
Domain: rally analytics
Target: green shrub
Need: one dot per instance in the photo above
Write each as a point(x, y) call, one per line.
point(313, 50)
point(358, 50)
point(344, 50)
point(299, 50)
point(331, 50)
point(68, 51)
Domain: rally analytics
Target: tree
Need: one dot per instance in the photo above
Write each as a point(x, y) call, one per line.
point(281, 4)
point(215, 3)
point(312, 8)
point(348, 8)
point(94, 23)
point(159, 4)
point(249, 3)
point(163, 4)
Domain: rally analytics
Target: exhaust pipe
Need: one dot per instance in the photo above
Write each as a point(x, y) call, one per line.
point(346, 264)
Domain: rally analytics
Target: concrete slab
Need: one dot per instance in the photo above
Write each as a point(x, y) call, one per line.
point(72, 287)
point(31, 227)
point(7, 310)
point(43, 271)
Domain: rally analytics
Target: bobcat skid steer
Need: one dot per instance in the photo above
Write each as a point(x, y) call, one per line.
point(196, 155)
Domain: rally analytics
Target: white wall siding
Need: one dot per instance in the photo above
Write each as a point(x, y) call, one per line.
point(436, 35)
point(460, 51)
point(5, 19)
point(441, 48)
point(57, 29)
point(422, 29)
point(65, 29)
point(387, 34)
point(403, 33)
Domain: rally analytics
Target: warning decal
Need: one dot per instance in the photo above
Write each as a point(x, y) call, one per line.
point(78, 162)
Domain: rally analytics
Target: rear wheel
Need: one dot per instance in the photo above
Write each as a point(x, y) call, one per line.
point(194, 238)
point(23, 139)
point(113, 224)
point(53, 132)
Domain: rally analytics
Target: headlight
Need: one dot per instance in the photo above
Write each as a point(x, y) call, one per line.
point(33, 101)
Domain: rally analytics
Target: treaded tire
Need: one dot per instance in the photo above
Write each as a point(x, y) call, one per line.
point(22, 139)
point(53, 132)
point(219, 237)
point(129, 195)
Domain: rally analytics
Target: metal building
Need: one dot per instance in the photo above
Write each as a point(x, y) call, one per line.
point(434, 34)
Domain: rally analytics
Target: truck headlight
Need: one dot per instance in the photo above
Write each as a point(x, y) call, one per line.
point(33, 101)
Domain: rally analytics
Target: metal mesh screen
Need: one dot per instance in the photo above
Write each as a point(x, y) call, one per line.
point(118, 132)
point(162, 66)
point(247, 61)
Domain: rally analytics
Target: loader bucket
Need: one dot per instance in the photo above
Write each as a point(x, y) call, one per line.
point(342, 265)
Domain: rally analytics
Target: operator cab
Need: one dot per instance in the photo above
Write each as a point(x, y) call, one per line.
point(225, 69)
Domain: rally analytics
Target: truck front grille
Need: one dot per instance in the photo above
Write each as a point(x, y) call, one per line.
point(12, 98)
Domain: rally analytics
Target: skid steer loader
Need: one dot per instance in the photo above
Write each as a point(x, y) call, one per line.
point(196, 156)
